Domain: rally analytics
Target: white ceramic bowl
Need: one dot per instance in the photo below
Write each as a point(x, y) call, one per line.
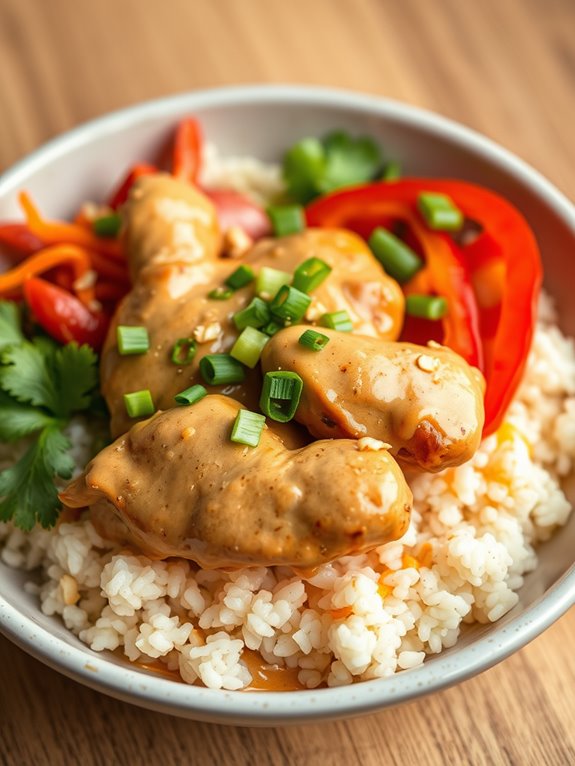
point(262, 121)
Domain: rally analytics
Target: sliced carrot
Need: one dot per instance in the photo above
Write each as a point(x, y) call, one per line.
point(60, 232)
point(51, 258)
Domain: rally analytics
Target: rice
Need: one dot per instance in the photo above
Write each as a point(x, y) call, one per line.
point(470, 543)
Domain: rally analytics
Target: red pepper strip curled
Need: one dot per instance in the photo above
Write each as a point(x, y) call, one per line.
point(63, 233)
point(18, 242)
point(187, 151)
point(506, 241)
point(120, 194)
point(63, 316)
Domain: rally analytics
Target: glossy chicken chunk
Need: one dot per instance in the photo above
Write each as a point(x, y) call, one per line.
point(172, 242)
point(182, 488)
point(426, 402)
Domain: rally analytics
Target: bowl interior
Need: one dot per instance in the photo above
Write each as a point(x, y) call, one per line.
point(87, 163)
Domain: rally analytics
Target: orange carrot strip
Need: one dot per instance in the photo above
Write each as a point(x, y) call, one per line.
point(60, 232)
point(341, 614)
point(47, 259)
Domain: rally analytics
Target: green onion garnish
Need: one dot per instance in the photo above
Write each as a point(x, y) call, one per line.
point(287, 219)
point(139, 404)
point(272, 327)
point(241, 277)
point(249, 346)
point(220, 369)
point(316, 341)
point(399, 261)
point(270, 280)
point(132, 340)
point(426, 306)
point(255, 314)
point(184, 351)
point(439, 211)
point(391, 172)
point(107, 225)
point(280, 396)
point(191, 395)
point(337, 320)
point(290, 304)
point(248, 427)
point(310, 274)
point(220, 293)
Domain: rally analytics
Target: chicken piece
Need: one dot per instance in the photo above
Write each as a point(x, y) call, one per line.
point(427, 402)
point(182, 488)
point(170, 294)
point(168, 222)
point(357, 283)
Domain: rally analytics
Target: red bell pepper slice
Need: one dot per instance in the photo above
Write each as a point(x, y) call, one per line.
point(120, 194)
point(63, 316)
point(235, 209)
point(187, 151)
point(503, 265)
point(17, 241)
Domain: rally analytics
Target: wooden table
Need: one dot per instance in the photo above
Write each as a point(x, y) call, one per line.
point(505, 67)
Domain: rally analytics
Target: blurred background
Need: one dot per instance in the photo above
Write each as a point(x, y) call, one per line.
point(503, 67)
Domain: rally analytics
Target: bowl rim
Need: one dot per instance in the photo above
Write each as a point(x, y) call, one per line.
point(259, 707)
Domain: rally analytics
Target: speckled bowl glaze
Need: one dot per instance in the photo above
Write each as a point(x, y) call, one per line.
point(261, 121)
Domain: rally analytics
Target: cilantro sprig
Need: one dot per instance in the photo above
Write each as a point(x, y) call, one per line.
point(41, 386)
point(316, 166)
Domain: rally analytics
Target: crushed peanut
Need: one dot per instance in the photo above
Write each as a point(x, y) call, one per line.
point(236, 242)
point(315, 310)
point(368, 444)
point(427, 363)
point(206, 333)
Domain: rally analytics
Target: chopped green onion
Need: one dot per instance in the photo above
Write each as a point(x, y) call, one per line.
point(426, 306)
point(220, 293)
point(184, 351)
point(107, 225)
point(248, 427)
point(290, 304)
point(316, 341)
point(249, 346)
point(220, 369)
point(272, 327)
point(139, 404)
point(303, 165)
point(310, 274)
point(287, 219)
point(241, 277)
point(132, 340)
point(337, 320)
point(255, 314)
point(280, 396)
point(399, 261)
point(270, 280)
point(391, 172)
point(440, 212)
point(191, 395)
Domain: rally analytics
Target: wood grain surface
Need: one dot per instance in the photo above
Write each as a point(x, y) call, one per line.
point(504, 67)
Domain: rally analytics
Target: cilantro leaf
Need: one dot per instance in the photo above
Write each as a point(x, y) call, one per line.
point(60, 379)
point(26, 375)
point(10, 324)
point(27, 488)
point(75, 368)
point(349, 161)
point(313, 167)
point(18, 420)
